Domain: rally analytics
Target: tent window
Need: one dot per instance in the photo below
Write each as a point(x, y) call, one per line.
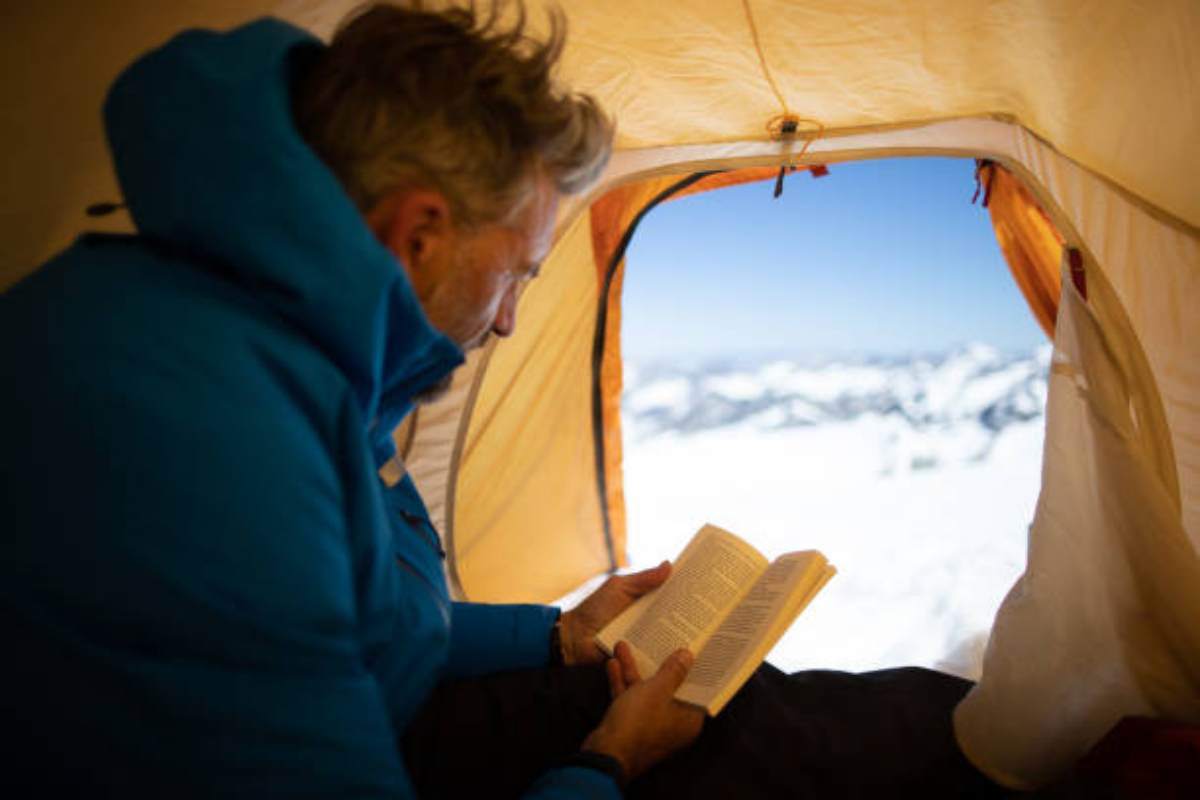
point(780, 418)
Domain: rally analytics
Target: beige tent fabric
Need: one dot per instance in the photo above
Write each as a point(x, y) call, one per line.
point(1112, 85)
point(1154, 269)
point(529, 528)
point(1103, 623)
point(1103, 81)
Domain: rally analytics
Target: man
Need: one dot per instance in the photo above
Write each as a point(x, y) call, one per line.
point(207, 588)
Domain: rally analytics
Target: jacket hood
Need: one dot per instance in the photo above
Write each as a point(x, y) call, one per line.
point(210, 163)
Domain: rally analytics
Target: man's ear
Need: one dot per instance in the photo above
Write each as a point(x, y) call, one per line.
point(414, 224)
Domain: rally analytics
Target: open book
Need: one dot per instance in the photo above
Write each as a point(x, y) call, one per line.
point(727, 604)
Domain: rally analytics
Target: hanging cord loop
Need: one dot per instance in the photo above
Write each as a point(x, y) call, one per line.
point(785, 126)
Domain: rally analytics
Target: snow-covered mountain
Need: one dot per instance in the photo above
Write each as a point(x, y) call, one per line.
point(970, 395)
point(974, 383)
point(916, 476)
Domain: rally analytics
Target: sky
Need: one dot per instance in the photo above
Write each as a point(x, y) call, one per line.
point(878, 257)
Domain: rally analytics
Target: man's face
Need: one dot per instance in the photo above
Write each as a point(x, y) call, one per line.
point(472, 290)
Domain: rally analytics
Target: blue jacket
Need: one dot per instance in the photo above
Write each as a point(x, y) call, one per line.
point(205, 585)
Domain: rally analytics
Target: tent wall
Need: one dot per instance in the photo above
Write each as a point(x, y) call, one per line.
point(532, 528)
point(1110, 84)
point(1102, 624)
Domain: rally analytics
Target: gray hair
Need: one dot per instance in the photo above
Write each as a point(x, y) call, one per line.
point(405, 96)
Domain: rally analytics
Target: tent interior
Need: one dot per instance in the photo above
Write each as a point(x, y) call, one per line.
point(1084, 117)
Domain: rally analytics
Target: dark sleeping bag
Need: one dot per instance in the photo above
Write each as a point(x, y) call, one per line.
point(818, 734)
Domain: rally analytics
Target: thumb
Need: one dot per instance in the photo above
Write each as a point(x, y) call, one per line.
point(674, 670)
point(647, 579)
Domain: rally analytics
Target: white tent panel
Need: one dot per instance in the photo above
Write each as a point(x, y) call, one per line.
point(1103, 622)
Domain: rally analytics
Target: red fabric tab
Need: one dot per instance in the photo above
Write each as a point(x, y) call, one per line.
point(1078, 275)
point(1142, 757)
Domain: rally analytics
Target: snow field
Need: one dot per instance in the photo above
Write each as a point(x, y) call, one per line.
point(923, 510)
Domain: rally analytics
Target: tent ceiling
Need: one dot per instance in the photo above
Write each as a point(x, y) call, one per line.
point(1111, 85)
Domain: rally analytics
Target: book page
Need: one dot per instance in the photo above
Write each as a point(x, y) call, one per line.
point(738, 646)
point(712, 573)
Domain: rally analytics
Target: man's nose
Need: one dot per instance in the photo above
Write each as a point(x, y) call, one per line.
point(506, 316)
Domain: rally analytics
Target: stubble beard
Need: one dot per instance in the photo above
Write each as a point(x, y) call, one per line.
point(443, 312)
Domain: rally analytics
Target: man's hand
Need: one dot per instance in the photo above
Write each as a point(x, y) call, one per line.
point(645, 723)
point(580, 625)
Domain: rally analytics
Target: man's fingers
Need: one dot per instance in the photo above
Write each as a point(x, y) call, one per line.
point(616, 683)
point(674, 670)
point(629, 668)
point(638, 583)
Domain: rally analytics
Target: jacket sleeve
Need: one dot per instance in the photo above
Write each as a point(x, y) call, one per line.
point(206, 600)
point(574, 783)
point(487, 638)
